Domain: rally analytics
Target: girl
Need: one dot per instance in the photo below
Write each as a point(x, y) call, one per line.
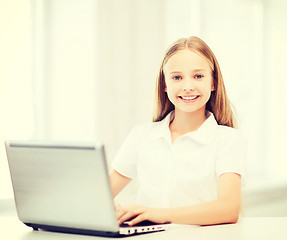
point(189, 161)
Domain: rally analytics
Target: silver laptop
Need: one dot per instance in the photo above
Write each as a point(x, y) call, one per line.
point(64, 187)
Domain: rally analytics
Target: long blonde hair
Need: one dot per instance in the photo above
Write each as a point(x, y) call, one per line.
point(218, 103)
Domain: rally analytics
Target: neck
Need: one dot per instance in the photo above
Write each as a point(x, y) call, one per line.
point(185, 122)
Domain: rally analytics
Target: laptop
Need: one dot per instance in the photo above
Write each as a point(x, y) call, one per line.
point(64, 187)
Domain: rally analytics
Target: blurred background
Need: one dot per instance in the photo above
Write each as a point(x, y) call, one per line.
point(86, 69)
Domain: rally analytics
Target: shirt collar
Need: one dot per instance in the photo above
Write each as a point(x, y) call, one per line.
point(204, 134)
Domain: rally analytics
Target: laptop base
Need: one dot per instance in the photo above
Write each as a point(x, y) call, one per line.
point(80, 231)
point(36, 227)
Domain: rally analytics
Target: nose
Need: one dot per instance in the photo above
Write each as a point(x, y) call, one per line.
point(188, 85)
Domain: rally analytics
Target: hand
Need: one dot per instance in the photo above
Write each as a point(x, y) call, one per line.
point(118, 207)
point(139, 213)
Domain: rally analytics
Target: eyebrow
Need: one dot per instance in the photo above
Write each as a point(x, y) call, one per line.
point(173, 72)
point(200, 70)
point(194, 70)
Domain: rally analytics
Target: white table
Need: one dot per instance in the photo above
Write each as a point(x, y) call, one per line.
point(247, 228)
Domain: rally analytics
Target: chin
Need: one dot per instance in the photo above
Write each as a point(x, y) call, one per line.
point(193, 109)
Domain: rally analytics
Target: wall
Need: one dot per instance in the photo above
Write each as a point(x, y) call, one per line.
point(86, 70)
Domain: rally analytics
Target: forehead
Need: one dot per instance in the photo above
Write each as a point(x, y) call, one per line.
point(186, 60)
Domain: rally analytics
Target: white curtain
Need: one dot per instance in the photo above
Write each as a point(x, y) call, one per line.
point(85, 70)
point(65, 69)
point(16, 104)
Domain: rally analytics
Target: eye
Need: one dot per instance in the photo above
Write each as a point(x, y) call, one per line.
point(198, 76)
point(177, 77)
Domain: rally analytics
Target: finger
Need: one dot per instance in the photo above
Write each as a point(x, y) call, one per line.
point(126, 216)
point(120, 213)
point(137, 219)
point(130, 213)
point(117, 205)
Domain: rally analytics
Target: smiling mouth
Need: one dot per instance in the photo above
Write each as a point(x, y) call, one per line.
point(189, 98)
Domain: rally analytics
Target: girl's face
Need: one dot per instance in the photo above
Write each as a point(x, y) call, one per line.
point(188, 80)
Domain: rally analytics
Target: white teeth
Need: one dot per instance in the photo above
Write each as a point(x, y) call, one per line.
point(189, 98)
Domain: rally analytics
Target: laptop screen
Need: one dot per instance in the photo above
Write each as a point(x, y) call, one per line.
point(61, 184)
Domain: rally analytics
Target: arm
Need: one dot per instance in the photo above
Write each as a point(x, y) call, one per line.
point(223, 210)
point(118, 182)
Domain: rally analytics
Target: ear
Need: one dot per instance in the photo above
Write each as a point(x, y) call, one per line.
point(165, 88)
point(212, 87)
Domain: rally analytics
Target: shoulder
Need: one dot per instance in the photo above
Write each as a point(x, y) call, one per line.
point(146, 129)
point(228, 132)
point(227, 136)
point(231, 151)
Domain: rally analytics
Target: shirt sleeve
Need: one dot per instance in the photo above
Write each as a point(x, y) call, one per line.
point(125, 161)
point(231, 157)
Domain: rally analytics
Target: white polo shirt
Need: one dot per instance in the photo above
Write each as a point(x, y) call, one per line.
point(182, 173)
